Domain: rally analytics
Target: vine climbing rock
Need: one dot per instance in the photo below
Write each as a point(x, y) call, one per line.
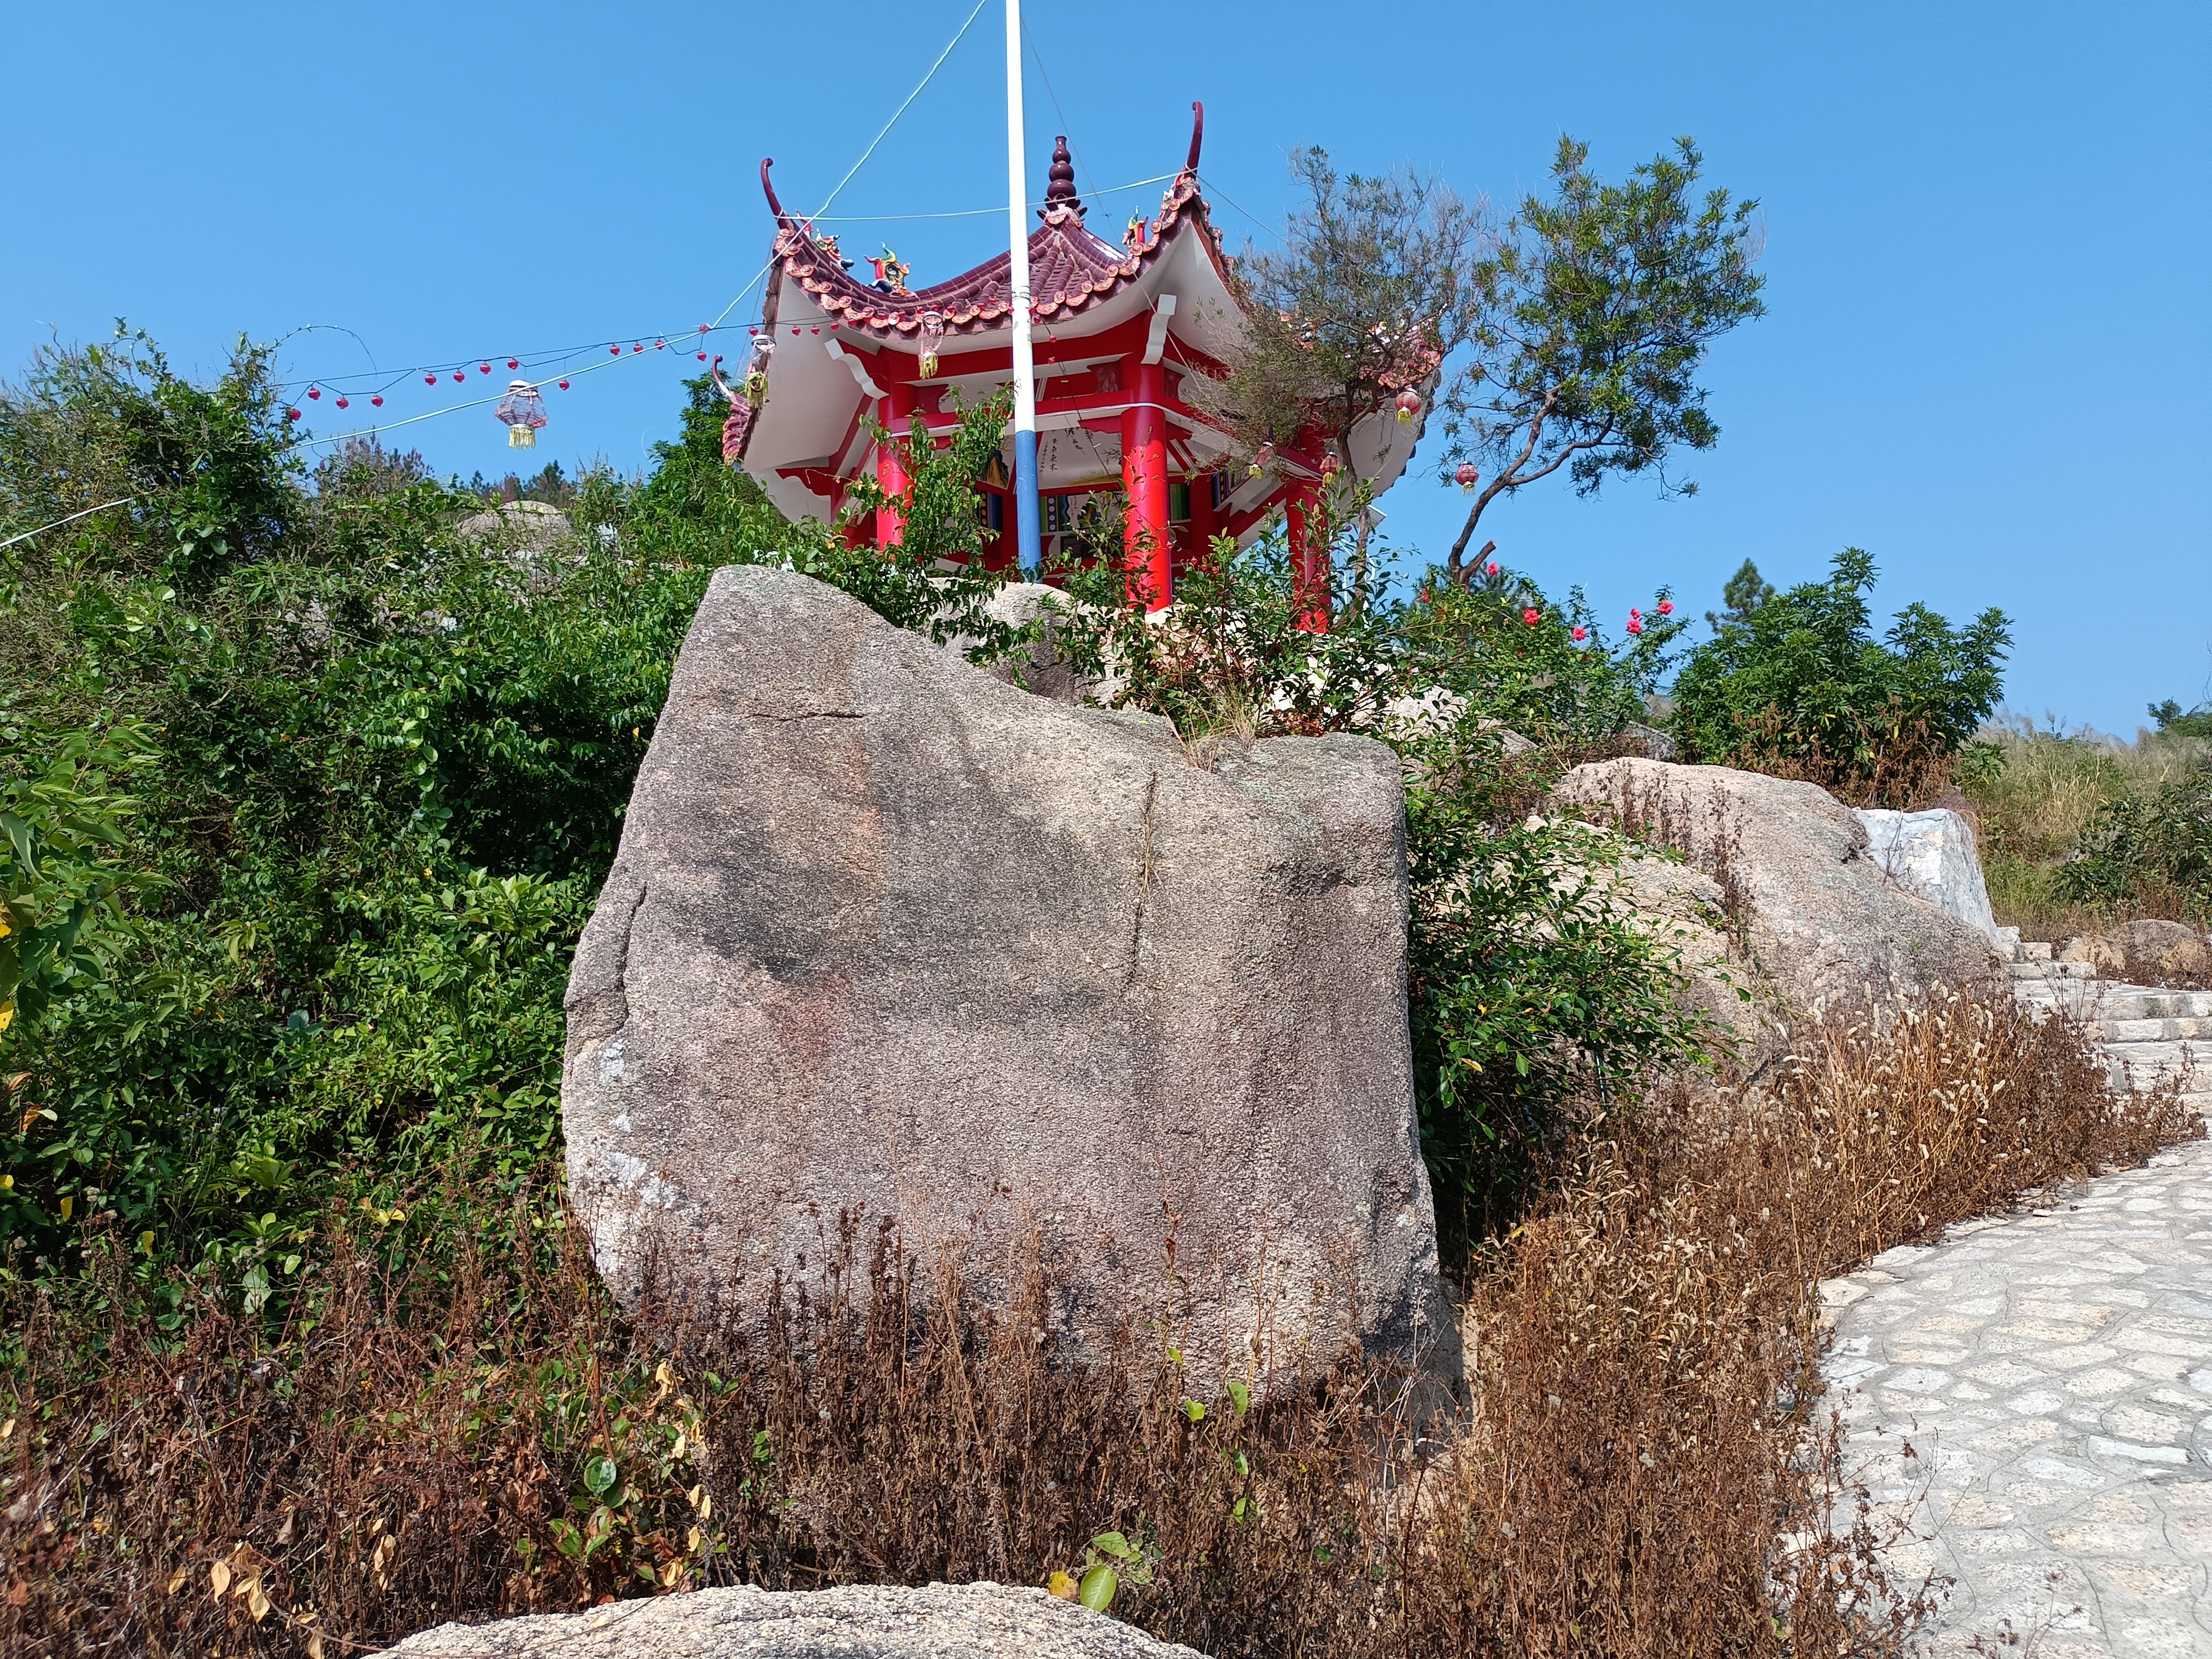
point(1820, 917)
point(888, 938)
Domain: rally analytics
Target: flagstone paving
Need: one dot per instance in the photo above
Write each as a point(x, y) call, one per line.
point(2051, 1373)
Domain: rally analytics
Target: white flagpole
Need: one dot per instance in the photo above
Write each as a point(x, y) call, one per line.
point(1026, 549)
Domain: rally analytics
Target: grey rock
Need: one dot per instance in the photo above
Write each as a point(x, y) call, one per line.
point(1821, 920)
point(1933, 854)
point(886, 936)
point(856, 1621)
point(1042, 668)
point(523, 526)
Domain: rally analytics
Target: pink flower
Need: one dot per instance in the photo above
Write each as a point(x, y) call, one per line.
point(1581, 634)
point(1666, 607)
point(1635, 614)
point(1636, 624)
point(1489, 569)
point(1532, 617)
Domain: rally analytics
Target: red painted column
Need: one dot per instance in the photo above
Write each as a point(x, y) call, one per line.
point(1145, 483)
point(894, 411)
point(1202, 521)
point(1308, 557)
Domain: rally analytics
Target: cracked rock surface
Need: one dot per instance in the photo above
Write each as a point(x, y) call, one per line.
point(858, 1621)
point(2052, 1374)
point(889, 937)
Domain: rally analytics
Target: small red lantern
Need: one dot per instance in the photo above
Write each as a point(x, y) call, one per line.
point(460, 374)
point(1263, 458)
point(1330, 465)
point(314, 392)
point(483, 368)
point(430, 379)
point(513, 363)
point(342, 403)
point(614, 351)
point(702, 357)
point(1466, 478)
point(703, 327)
point(377, 402)
point(639, 348)
point(291, 414)
point(1409, 404)
point(564, 385)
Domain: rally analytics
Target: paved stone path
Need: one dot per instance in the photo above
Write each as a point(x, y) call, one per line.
point(2052, 1374)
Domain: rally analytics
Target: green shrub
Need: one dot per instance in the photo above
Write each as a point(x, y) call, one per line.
point(1797, 685)
point(2137, 845)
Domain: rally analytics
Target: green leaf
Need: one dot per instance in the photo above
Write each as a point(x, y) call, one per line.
point(1113, 1543)
point(1239, 1396)
point(600, 1475)
point(1096, 1590)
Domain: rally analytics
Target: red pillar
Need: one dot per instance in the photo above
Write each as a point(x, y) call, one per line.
point(1203, 523)
point(894, 411)
point(1145, 483)
point(1308, 557)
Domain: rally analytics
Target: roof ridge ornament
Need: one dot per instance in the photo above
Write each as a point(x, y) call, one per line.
point(773, 206)
point(1197, 136)
point(1061, 201)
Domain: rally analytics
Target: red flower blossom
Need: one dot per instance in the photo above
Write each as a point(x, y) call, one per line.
point(1636, 624)
point(1666, 607)
point(1489, 569)
point(1532, 615)
point(1581, 634)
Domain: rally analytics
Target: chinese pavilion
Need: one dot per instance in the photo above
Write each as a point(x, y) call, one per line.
point(1117, 330)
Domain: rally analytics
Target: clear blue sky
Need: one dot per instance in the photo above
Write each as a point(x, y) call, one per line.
point(1987, 358)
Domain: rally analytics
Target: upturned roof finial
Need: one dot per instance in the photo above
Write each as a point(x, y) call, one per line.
point(1060, 191)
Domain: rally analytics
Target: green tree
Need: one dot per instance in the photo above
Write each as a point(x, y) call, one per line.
point(1369, 294)
point(1743, 593)
point(1801, 686)
point(1593, 316)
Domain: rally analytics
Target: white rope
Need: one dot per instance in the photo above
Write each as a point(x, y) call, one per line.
point(118, 502)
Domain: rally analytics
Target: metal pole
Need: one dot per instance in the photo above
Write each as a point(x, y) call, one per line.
point(1026, 549)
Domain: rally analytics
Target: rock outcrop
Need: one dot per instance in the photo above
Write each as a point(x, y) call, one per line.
point(887, 937)
point(1933, 854)
point(1820, 919)
point(856, 1621)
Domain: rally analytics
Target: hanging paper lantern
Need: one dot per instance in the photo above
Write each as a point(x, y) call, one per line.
point(314, 392)
point(636, 348)
point(564, 385)
point(614, 351)
point(342, 403)
point(524, 412)
point(932, 336)
point(660, 345)
point(1263, 458)
point(377, 402)
point(291, 414)
point(1329, 466)
point(1466, 478)
point(460, 374)
point(483, 368)
point(1409, 404)
point(703, 327)
point(430, 379)
point(702, 357)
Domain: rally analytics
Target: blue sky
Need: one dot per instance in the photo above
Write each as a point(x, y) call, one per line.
point(1990, 328)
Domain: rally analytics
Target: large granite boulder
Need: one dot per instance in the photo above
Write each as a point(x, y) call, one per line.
point(1821, 921)
point(888, 937)
point(1932, 853)
point(856, 1622)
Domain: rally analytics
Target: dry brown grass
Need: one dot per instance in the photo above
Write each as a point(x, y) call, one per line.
point(1645, 1471)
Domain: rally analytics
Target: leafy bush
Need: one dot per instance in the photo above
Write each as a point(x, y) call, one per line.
point(1797, 686)
point(390, 765)
point(2138, 844)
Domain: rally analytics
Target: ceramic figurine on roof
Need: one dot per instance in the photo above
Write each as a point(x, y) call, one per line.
point(1117, 329)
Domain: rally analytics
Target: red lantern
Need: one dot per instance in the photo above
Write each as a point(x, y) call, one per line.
point(483, 368)
point(1409, 404)
point(314, 392)
point(1263, 458)
point(512, 362)
point(291, 414)
point(377, 402)
point(430, 379)
point(702, 357)
point(614, 351)
point(460, 374)
point(342, 403)
point(1329, 466)
point(1466, 477)
point(703, 327)
point(637, 348)
point(564, 385)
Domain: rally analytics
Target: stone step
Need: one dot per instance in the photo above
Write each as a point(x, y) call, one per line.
point(2034, 952)
point(2042, 967)
point(2186, 1028)
point(2008, 943)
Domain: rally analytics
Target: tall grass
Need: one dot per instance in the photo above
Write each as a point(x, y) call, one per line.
point(2038, 793)
point(448, 1431)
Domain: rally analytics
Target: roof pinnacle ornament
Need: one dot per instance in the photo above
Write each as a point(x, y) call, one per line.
point(1060, 196)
